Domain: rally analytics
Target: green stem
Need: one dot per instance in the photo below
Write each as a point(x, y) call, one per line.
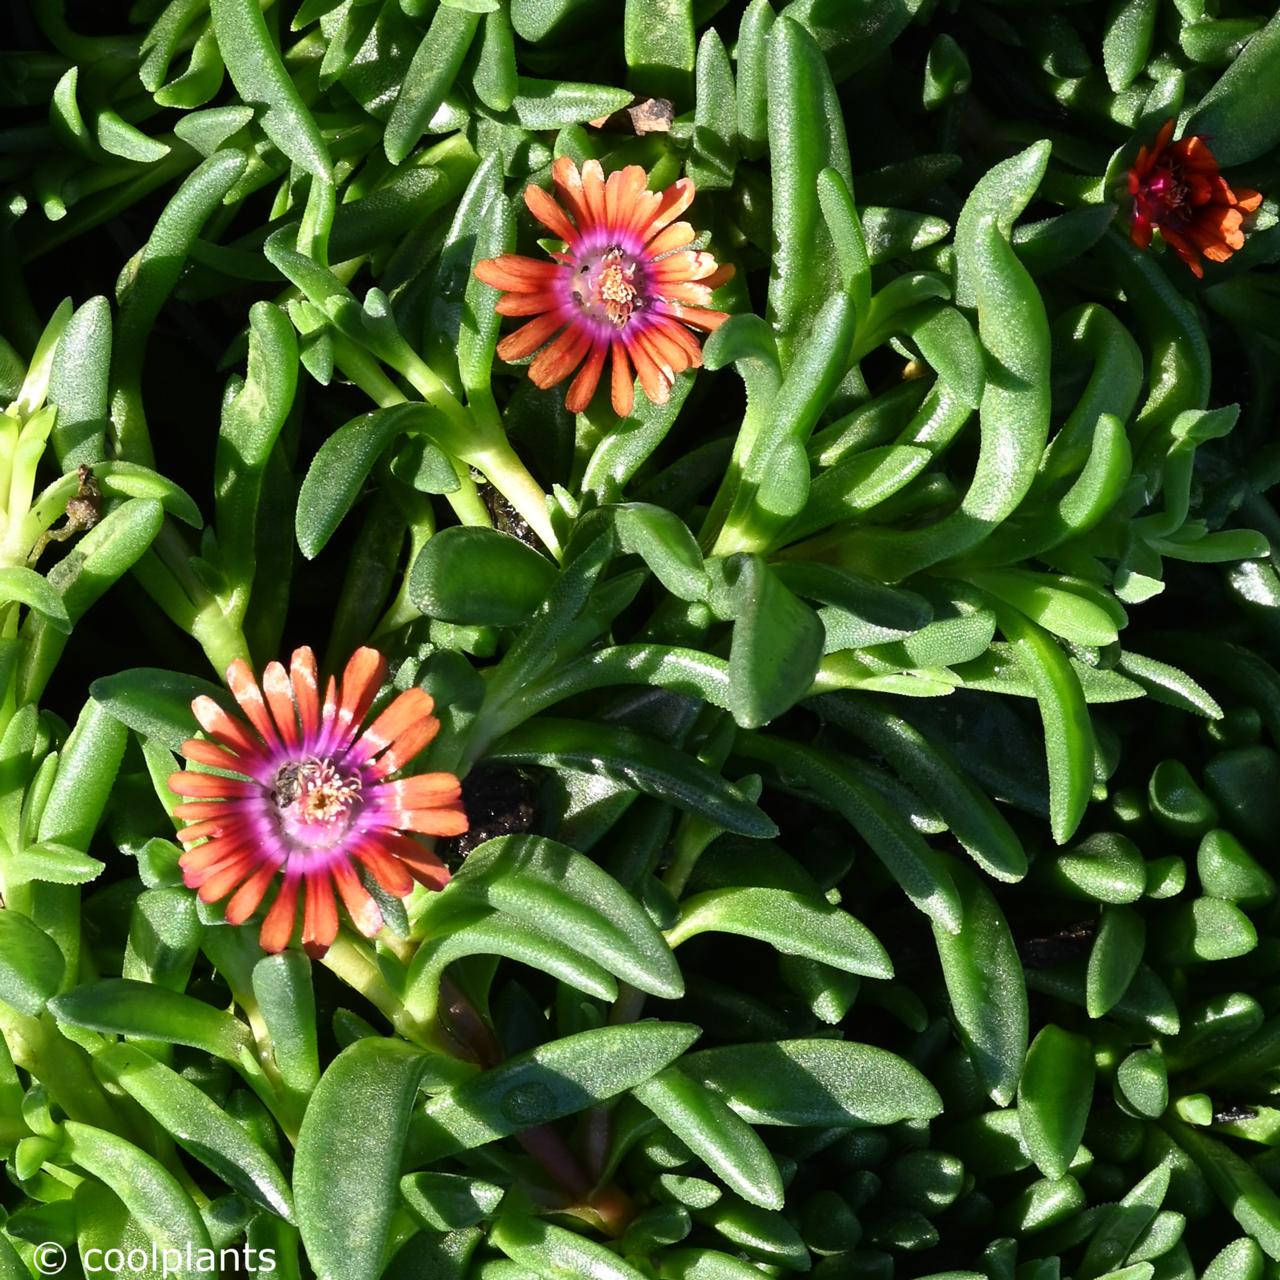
point(501, 466)
point(269, 1086)
point(465, 500)
point(402, 610)
point(8, 672)
point(486, 450)
point(481, 442)
point(692, 838)
point(352, 962)
point(36, 1045)
point(222, 641)
point(361, 369)
point(220, 638)
point(156, 580)
point(744, 531)
point(365, 372)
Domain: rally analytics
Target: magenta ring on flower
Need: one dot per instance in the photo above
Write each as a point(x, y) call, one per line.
point(311, 797)
point(627, 289)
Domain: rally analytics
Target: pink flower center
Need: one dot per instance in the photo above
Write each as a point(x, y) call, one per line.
point(316, 800)
point(608, 285)
point(1162, 196)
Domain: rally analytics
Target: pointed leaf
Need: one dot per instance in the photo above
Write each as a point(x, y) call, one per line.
point(820, 1083)
point(347, 1168)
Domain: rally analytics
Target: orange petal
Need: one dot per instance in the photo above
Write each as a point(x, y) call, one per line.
point(1232, 234)
point(224, 728)
point(560, 359)
point(1201, 189)
point(709, 321)
point(199, 864)
point(584, 385)
point(551, 215)
point(223, 824)
point(673, 331)
point(197, 810)
point(621, 380)
point(645, 205)
point(1195, 155)
point(433, 877)
point(405, 747)
point(306, 689)
point(528, 304)
point(363, 676)
point(673, 355)
point(515, 274)
point(1219, 191)
point(210, 786)
point(1185, 250)
point(695, 317)
point(423, 865)
point(319, 915)
point(685, 264)
point(676, 236)
point(277, 928)
point(721, 276)
point(279, 692)
point(245, 689)
point(433, 822)
point(365, 913)
point(568, 183)
point(386, 870)
point(200, 751)
point(644, 339)
point(424, 790)
point(226, 877)
point(651, 377)
point(1214, 226)
point(529, 337)
point(248, 897)
point(593, 193)
point(409, 710)
point(675, 200)
point(687, 291)
point(620, 194)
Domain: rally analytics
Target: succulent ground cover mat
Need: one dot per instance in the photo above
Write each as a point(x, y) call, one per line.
point(640, 639)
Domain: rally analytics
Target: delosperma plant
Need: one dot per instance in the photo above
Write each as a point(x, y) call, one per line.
point(640, 639)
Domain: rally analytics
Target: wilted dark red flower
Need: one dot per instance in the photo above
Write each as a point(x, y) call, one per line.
point(627, 286)
point(311, 797)
point(1176, 186)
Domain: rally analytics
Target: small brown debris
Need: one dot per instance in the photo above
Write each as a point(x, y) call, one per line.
point(83, 511)
point(649, 115)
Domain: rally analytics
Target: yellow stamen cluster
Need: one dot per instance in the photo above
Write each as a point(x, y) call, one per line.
point(615, 287)
point(316, 790)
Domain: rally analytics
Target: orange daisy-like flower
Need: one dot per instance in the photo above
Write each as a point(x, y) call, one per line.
point(1176, 186)
point(626, 286)
point(311, 797)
